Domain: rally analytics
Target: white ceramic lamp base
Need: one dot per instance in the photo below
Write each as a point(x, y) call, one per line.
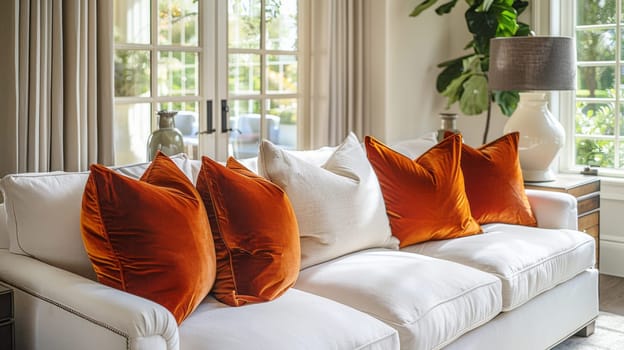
point(541, 137)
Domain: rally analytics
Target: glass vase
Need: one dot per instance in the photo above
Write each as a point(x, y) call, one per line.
point(167, 138)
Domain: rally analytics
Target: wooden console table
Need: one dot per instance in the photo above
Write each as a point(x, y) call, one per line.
point(586, 189)
point(7, 330)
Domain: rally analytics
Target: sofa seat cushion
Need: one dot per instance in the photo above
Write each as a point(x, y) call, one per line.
point(296, 320)
point(430, 302)
point(528, 260)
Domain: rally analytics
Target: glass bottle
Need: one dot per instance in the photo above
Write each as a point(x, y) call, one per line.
point(448, 123)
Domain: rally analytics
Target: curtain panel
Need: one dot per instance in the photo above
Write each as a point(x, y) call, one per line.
point(335, 71)
point(63, 87)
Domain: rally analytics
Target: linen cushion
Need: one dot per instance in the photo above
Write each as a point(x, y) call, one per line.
point(494, 183)
point(255, 233)
point(296, 320)
point(34, 200)
point(339, 206)
point(528, 260)
point(425, 198)
point(430, 302)
point(414, 148)
point(150, 237)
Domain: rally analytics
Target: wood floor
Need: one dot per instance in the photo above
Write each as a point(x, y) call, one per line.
point(612, 294)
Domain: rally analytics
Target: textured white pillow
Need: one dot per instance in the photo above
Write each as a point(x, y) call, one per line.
point(43, 214)
point(414, 148)
point(339, 205)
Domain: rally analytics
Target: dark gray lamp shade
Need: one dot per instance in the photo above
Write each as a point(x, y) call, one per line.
point(532, 63)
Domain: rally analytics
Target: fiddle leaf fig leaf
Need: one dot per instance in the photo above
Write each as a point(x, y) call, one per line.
point(455, 89)
point(475, 97)
point(523, 29)
point(450, 73)
point(485, 5)
point(446, 8)
point(507, 101)
point(422, 6)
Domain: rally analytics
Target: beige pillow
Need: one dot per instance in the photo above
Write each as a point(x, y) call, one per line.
point(339, 205)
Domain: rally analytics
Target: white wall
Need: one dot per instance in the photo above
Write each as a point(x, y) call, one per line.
point(412, 47)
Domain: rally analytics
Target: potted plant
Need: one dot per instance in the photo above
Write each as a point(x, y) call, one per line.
point(464, 79)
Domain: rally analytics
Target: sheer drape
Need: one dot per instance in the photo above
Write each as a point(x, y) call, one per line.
point(336, 71)
point(64, 86)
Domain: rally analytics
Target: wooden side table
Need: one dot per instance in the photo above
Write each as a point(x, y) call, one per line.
point(7, 327)
point(586, 189)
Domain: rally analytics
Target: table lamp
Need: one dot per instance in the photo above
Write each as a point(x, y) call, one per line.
point(529, 65)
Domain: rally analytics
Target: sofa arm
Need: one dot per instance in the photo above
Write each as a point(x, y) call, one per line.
point(554, 209)
point(96, 316)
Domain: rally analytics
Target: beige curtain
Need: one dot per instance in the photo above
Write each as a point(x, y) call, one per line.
point(335, 75)
point(63, 86)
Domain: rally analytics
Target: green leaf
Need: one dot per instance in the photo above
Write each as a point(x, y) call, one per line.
point(449, 62)
point(520, 6)
point(446, 8)
point(523, 29)
point(507, 101)
point(485, 6)
point(507, 25)
point(455, 89)
point(422, 6)
point(448, 74)
point(475, 97)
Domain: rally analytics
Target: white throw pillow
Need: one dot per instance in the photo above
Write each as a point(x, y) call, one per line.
point(339, 205)
point(43, 214)
point(414, 148)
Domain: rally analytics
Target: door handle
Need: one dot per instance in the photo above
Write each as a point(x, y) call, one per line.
point(209, 122)
point(224, 117)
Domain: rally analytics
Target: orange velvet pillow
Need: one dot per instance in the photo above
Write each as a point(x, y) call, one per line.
point(494, 182)
point(255, 232)
point(150, 237)
point(425, 198)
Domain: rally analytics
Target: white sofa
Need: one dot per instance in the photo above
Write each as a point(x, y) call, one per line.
point(512, 287)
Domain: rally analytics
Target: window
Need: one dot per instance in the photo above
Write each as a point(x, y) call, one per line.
point(263, 73)
point(156, 67)
point(598, 128)
point(168, 57)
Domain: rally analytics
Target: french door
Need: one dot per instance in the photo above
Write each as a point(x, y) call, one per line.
point(229, 68)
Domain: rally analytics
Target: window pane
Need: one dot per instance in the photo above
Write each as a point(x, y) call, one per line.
point(595, 44)
point(132, 21)
point(132, 73)
point(244, 24)
point(244, 74)
point(282, 122)
point(595, 118)
point(178, 22)
point(245, 123)
point(177, 73)
point(594, 152)
point(282, 74)
point(596, 82)
point(131, 129)
point(281, 24)
point(595, 12)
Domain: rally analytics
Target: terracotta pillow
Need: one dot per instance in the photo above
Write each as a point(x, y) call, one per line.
point(425, 198)
point(494, 183)
point(150, 237)
point(255, 232)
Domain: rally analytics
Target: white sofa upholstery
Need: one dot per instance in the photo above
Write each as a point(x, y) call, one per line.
point(513, 287)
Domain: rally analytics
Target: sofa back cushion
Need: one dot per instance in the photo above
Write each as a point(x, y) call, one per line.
point(43, 214)
point(338, 203)
point(255, 233)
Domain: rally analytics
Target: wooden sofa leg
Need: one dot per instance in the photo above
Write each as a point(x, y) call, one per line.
point(587, 330)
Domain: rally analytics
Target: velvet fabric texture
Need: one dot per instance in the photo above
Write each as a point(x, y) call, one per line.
point(494, 183)
point(255, 232)
point(425, 198)
point(150, 237)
